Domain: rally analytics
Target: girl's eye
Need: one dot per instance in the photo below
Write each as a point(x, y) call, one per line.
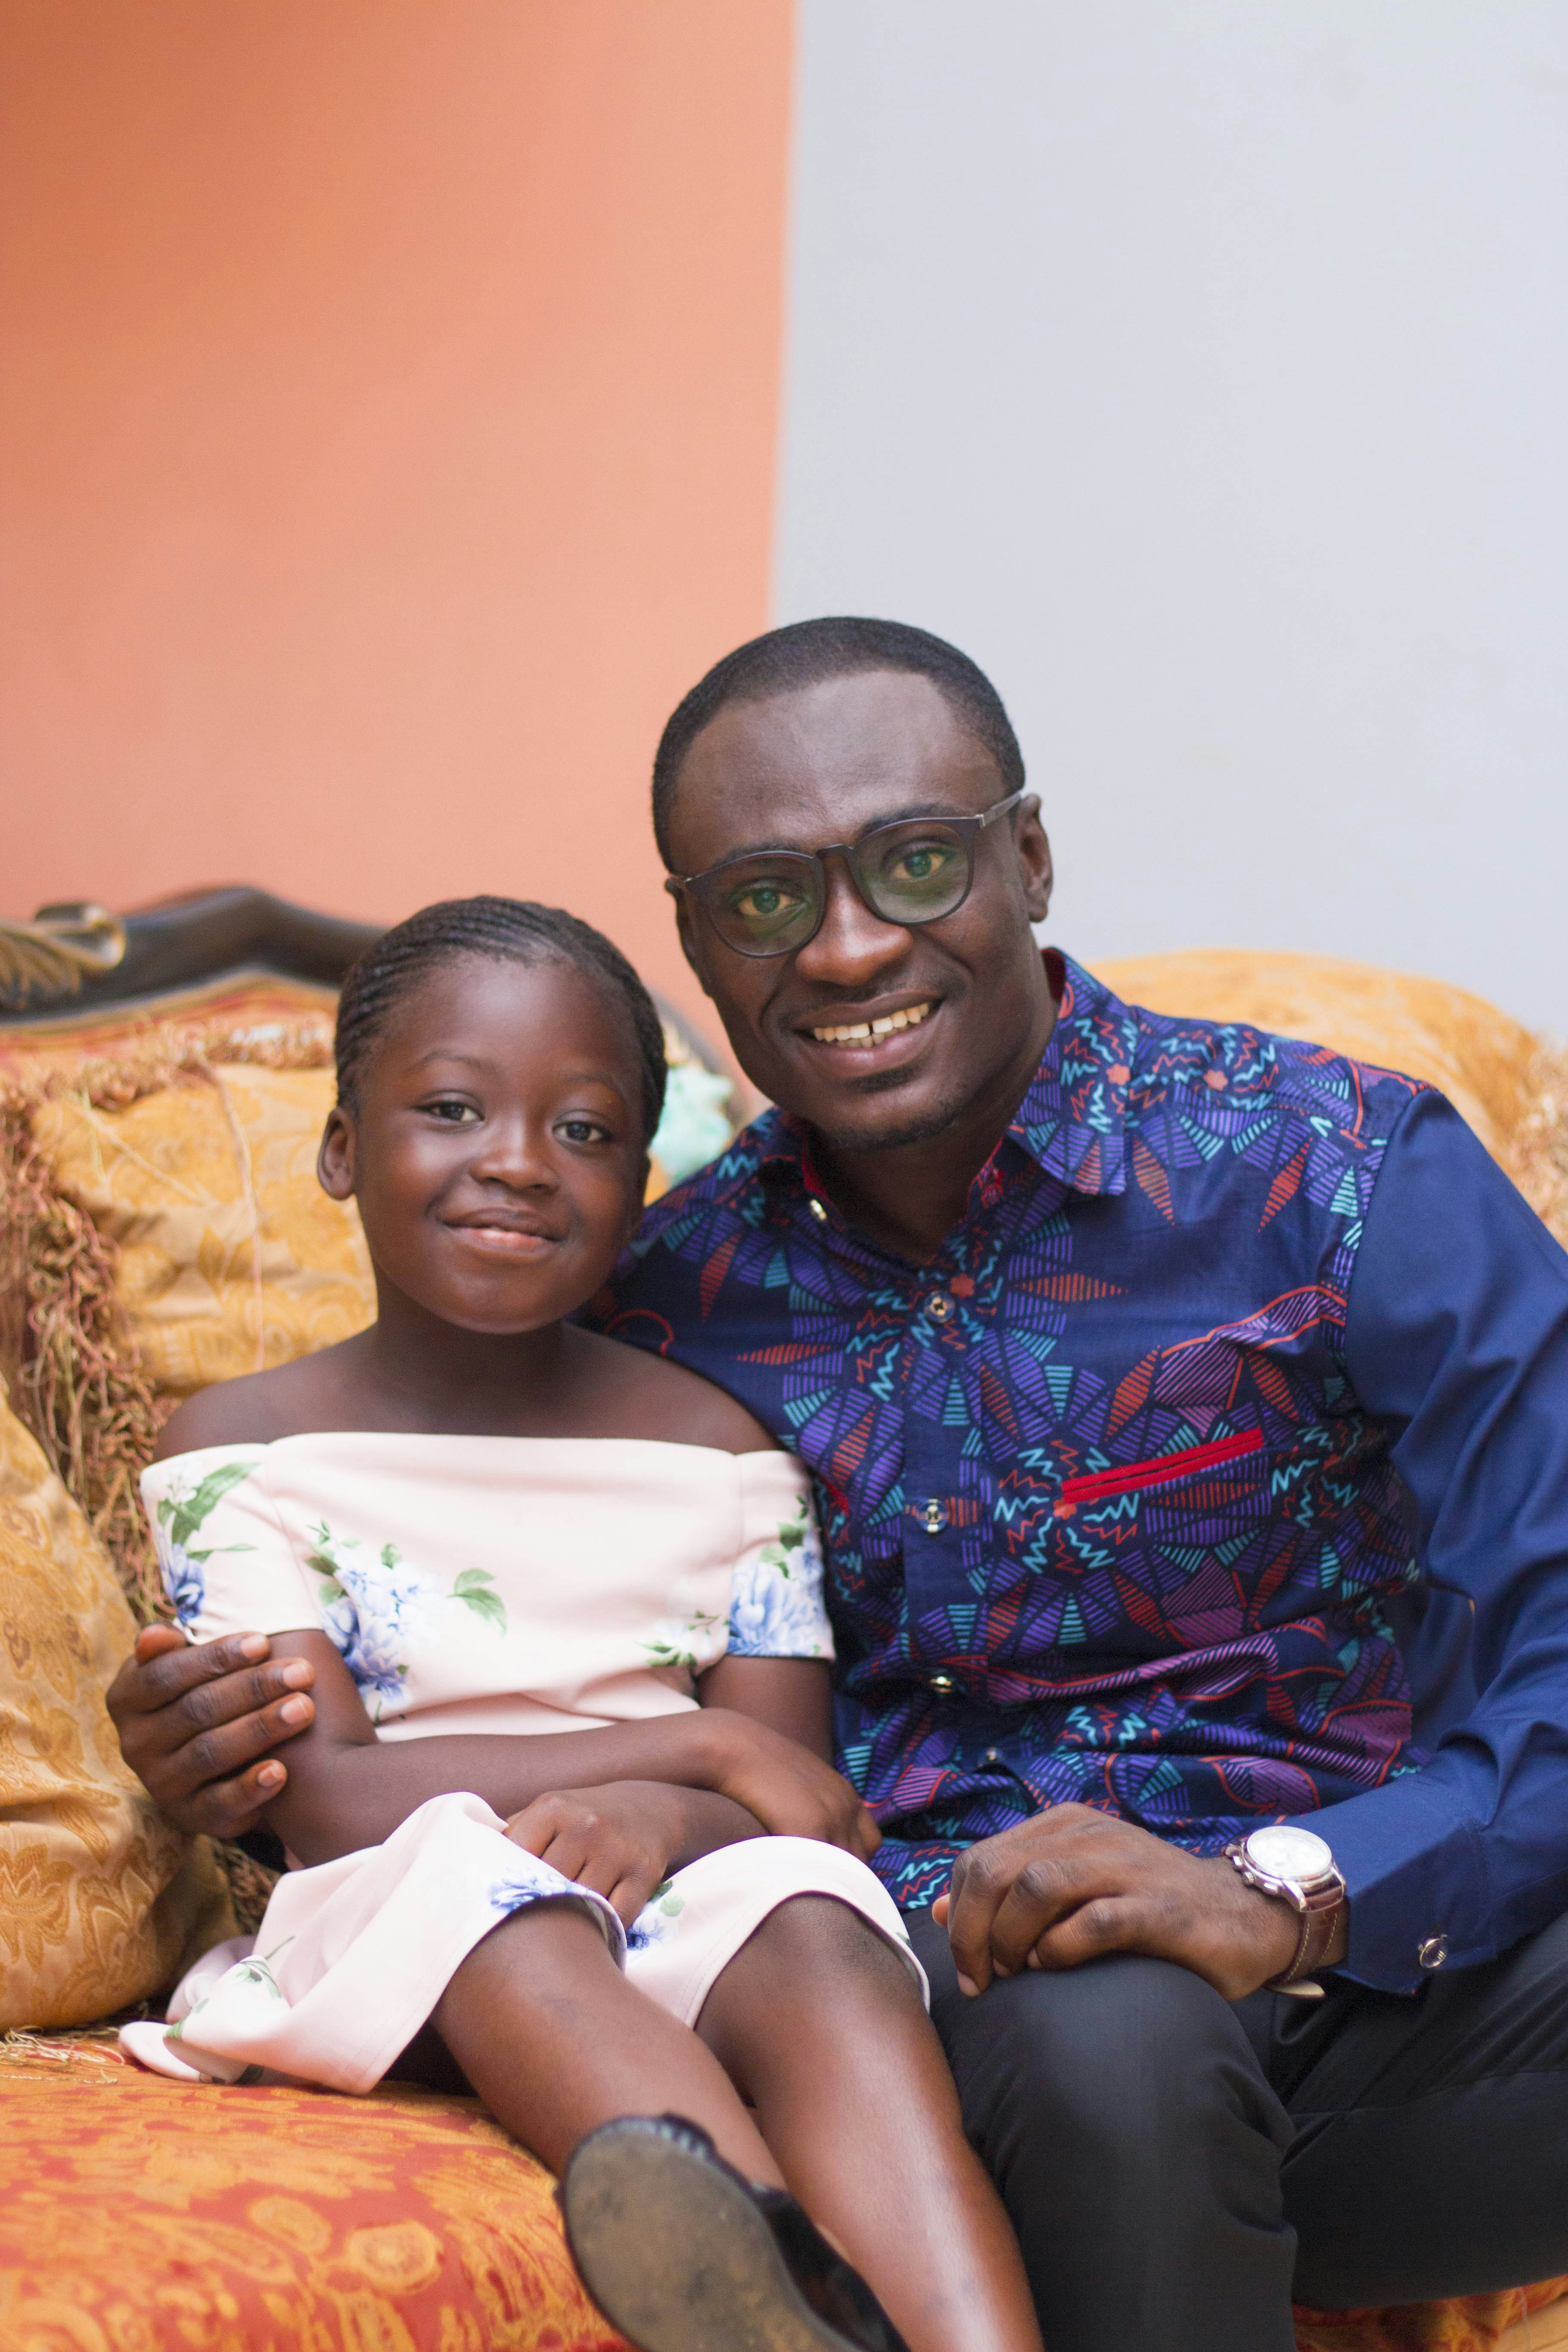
point(451, 1112)
point(583, 1131)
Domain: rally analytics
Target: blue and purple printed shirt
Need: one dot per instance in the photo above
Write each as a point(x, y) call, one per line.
point(1242, 1356)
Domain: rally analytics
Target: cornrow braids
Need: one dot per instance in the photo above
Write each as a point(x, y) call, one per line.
point(805, 653)
point(507, 930)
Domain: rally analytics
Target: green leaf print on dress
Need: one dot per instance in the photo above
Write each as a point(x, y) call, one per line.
point(181, 1514)
point(470, 1589)
point(668, 1649)
point(378, 1611)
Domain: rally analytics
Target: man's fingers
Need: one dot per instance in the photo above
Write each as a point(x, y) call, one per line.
point(219, 1753)
point(154, 1640)
point(215, 1681)
point(1107, 1923)
point(171, 1668)
point(231, 1720)
point(1047, 1890)
point(978, 1886)
point(226, 1808)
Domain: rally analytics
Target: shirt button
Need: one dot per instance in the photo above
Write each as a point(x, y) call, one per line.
point(818, 1210)
point(991, 1756)
point(933, 1518)
point(1433, 1952)
point(941, 1685)
point(939, 1306)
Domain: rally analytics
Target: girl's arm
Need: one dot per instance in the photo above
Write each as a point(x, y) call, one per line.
point(732, 1772)
point(790, 1695)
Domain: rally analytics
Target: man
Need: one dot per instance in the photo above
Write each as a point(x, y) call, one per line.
point(1149, 1371)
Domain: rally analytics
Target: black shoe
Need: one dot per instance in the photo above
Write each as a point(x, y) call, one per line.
point(682, 2254)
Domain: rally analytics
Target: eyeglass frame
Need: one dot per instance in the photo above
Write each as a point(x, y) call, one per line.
point(969, 827)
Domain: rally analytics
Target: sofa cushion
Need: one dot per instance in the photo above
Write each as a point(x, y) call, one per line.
point(1507, 1082)
point(101, 1901)
point(230, 1257)
point(139, 2214)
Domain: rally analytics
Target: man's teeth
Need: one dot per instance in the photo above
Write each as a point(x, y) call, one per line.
point(860, 1032)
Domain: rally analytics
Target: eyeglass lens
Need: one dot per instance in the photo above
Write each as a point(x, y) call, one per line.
point(911, 872)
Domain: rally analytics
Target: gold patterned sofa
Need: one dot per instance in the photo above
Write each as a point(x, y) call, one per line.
point(160, 1228)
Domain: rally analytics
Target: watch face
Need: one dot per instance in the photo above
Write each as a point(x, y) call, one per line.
point(1293, 1854)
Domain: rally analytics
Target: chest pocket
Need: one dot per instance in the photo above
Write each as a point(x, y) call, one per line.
point(1204, 1495)
point(1137, 1478)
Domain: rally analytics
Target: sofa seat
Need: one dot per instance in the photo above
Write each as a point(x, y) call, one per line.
point(139, 2214)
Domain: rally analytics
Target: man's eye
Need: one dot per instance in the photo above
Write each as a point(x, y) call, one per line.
point(922, 861)
point(764, 902)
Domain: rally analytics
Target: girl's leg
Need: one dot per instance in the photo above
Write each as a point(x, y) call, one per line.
point(818, 2022)
point(555, 2041)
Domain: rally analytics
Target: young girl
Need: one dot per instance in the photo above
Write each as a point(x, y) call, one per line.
point(563, 1602)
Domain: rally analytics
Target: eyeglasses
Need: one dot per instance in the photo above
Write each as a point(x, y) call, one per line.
point(912, 871)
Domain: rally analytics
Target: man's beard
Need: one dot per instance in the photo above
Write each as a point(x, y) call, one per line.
point(931, 1122)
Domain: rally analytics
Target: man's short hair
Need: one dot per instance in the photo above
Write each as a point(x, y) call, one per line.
point(808, 652)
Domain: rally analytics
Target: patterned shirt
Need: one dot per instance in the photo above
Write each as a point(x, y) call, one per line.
point(1113, 1512)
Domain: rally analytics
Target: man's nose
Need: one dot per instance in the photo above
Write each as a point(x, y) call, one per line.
point(854, 945)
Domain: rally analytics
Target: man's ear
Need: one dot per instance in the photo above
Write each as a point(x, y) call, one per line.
point(335, 1159)
point(1035, 858)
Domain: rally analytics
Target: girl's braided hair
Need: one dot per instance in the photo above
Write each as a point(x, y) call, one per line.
point(507, 930)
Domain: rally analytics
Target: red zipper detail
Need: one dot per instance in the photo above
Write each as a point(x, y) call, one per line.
point(1097, 1484)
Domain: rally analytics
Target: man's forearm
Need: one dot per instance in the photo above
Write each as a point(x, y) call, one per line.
point(343, 1796)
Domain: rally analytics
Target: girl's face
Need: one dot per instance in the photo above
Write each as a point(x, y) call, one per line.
point(497, 1153)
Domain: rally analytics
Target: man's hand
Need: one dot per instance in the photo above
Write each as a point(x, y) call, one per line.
point(790, 1791)
point(621, 1840)
point(1073, 1883)
point(193, 1721)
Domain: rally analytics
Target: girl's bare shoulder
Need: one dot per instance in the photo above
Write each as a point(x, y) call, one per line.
point(255, 1409)
point(646, 1396)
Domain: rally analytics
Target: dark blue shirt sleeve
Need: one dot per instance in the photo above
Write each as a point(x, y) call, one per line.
point(1457, 1338)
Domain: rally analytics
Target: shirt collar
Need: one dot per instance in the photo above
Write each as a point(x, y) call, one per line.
point(1072, 1119)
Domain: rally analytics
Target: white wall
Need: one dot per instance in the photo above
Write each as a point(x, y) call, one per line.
point(1201, 366)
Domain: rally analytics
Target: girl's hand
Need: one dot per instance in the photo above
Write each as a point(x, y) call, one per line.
point(621, 1839)
point(790, 1791)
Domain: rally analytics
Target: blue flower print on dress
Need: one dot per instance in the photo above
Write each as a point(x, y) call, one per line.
point(656, 1921)
point(527, 1880)
point(379, 1610)
point(775, 1597)
point(181, 1514)
point(376, 1610)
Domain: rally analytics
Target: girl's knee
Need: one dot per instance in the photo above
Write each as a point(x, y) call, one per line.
point(818, 1935)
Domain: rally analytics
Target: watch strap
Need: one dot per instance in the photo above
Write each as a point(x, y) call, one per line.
point(1317, 1920)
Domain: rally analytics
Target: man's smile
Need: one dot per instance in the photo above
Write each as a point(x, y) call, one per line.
point(869, 1040)
point(874, 1028)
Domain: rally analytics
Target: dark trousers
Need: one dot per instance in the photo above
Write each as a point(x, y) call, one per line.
point(1180, 2168)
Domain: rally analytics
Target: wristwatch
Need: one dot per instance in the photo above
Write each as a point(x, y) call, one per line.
point(1298, 1868)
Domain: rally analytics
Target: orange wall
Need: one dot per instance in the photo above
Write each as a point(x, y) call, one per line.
point(389, 399)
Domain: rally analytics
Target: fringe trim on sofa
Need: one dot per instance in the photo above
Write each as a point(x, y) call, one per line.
point(65, 1350)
